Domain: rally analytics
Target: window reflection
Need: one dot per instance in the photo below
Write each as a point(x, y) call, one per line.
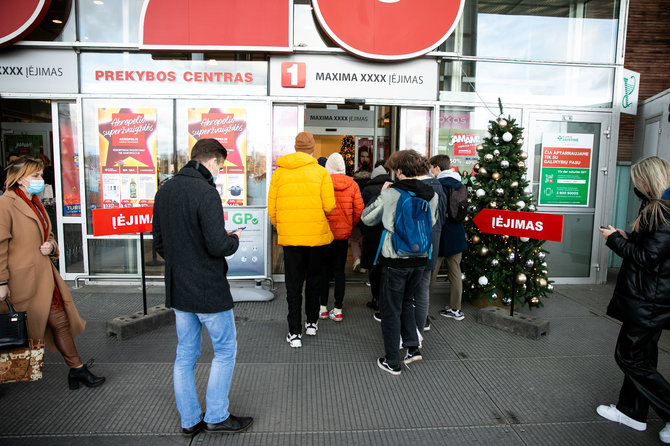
point(109, 21)
point(580, 31)
point(528, 83)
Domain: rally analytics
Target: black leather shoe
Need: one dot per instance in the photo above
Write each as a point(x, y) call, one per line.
point(230, 425)
point(83, 375)
point(191, 431)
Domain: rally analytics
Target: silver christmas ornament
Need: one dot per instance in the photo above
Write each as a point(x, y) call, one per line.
point(494, 296)
point(524, 239)
point(502, 122)
point(541, 255)
point(494, 262)
point(506, 301)
point(488, 157)
point(462, 276)
point(500, 191)
point(496, 152)
point(504, 164)
point(507, 137)
point(520, 142)
point(483, 281)
point(530, 263)
point(531, 207)
point(520, 204)
point(510, 257)
point(480, 193)
point(496, 140)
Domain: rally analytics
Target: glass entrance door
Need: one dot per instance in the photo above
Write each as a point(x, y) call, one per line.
point(573, 175)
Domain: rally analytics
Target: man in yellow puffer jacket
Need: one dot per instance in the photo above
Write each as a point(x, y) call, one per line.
point(301, 194)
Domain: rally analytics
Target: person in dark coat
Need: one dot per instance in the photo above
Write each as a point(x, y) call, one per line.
point(452, 240)
point(372, 235)
point(422, 297)
point(189, 233)
point(641, 299)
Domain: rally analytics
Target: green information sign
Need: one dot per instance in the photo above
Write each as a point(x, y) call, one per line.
point(565, 169)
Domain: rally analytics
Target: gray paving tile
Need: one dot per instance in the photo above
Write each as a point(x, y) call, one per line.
point(587, 433)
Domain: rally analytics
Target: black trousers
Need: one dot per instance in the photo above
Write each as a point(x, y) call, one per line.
point(637, 355)
point(375, 277)
point(335, 260)
point(302, 265)
point(396, 306)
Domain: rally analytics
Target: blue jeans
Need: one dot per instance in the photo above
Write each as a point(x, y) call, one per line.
point(221, 329)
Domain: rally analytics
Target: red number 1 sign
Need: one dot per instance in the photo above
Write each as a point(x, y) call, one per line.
point(293, 74)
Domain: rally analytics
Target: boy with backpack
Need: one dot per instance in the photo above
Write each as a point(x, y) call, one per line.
point(452, 239)
point(407, 209)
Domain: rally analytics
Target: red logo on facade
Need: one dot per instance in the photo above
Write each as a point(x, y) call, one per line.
point(388, 29)
point(207, 24)
point(20, 18)
point(293, 74)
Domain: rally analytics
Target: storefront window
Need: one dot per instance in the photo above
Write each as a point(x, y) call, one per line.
point(109, 21)
point(527, 83)
point(241, 126)
point(112, 256)
point(69, 155)
point(461, 129)
point(415, 125)
point(579, 31)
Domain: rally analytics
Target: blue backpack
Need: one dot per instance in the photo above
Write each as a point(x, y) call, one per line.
point(413, 227)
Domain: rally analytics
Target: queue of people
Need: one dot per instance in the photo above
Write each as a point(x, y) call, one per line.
point(406, 234)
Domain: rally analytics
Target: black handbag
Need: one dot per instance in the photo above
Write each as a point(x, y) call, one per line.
point(13, 329)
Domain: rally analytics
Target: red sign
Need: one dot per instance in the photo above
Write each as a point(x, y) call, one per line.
point(293, 74)
point(520, 224)
point(388, 30)
point(206, 24)
point(566, 157)
point(20, 18)
point(122, 220)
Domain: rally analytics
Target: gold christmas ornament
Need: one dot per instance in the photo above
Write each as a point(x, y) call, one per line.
point(495, 176)
point(542, 282)
point(521, 165)
point(483, 171)
point(475, 239)
point(476, 166)
point(493, 205)
point(534, 301)
point(480, 148)
point(514, 184)
point(523, 155)
point(488, 157)
point(483, 251)
point(521, 278)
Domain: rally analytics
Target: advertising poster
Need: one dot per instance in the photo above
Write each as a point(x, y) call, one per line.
point(24, 144)
point(229, 127)
point(565, 169)
point(461, 146)
point(249, 260)
point(69, 167)
point(128, 171)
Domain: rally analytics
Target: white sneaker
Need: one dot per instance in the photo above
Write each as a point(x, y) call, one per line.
point(664, 435)
point(357, 265)
point(454, 314)
point(294, 340)
point(613, 414)
point(311, 327)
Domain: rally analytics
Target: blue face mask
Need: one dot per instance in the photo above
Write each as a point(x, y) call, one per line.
point(36, 187)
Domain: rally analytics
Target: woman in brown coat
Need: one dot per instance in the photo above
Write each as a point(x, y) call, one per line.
point(27, 275)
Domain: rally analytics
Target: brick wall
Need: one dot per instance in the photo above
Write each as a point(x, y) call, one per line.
point(648, 53)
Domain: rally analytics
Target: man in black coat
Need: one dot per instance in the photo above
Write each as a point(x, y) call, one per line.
point(189, 233)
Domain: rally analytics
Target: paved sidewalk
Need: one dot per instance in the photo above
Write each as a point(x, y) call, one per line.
point(475, 385)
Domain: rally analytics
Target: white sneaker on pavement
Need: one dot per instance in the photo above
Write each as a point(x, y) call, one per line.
point(294, 340)
point(311, 327)
point(664, 435)
point(613, 414)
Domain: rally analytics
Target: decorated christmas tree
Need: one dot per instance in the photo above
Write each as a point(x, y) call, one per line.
point(498, 181)
point(347, 151)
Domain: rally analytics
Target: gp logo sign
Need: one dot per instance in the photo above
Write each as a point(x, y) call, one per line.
point(244, 218)
point(388, 29)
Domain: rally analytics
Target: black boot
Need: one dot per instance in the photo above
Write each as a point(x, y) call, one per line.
point(84, 376)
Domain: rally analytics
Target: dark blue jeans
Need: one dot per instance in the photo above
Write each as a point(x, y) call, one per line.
point(396, 304)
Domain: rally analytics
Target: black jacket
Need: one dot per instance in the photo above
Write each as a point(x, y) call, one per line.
point(189, 232)
point(642, 292)
point(441, 217)
point(371, 234)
